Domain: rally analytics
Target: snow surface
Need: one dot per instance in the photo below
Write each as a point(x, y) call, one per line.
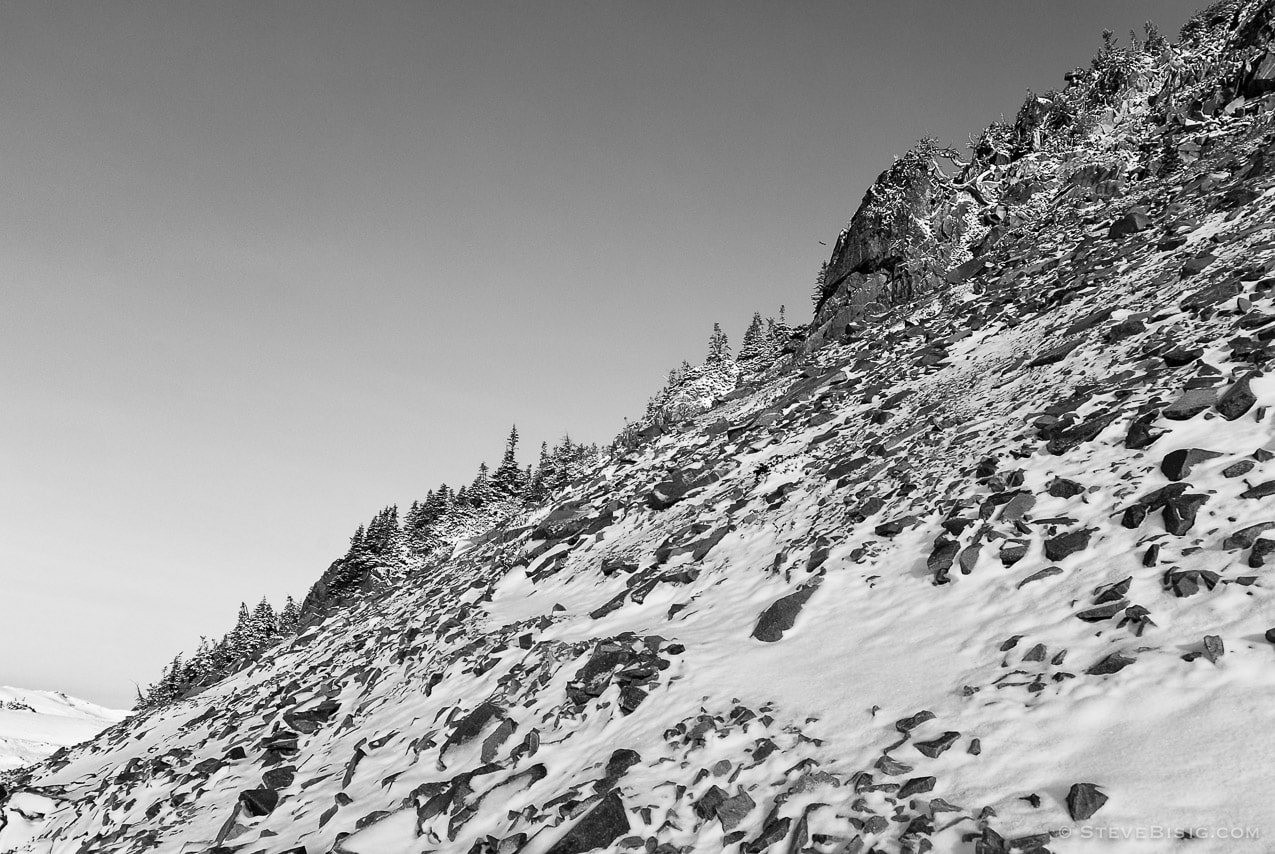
point(57, 720)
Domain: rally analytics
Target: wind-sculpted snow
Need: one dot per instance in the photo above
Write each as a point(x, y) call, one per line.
point(986, 573)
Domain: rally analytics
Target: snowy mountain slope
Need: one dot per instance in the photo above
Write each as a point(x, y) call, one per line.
point(33, 724)
point(984, 571)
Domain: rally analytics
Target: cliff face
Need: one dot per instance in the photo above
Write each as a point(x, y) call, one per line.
point(868, 268)
point(988, 573)
point(1134, 113)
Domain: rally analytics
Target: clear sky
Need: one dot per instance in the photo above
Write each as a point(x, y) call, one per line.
point(266, 267)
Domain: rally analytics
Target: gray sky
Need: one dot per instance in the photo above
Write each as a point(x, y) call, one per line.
point(267, 267)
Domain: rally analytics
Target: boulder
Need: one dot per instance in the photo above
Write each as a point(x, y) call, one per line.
point(1113, 663)
point(1243, 467)
point(259, 802)
point(1061, 487)
point(1083, 800)
point(1260, 491)
point(1262, 77)
point(781, 615)
point(941, 558)
point(279, 778)
point(915, 786)
point(1177, 465)
point(1213, 648)
point(1102, 612)
point(1196, 265)
point(1236, 400)
point(1192, 402)
point(936, 746)
point(1262, 549)
point(732, 811)
point(600, 827)
point(1244, 538)
point(906, 725)
point(1187, 582)
point(668, 492)
point(1179, 514)
point(1067, 544)
point(1131, 223)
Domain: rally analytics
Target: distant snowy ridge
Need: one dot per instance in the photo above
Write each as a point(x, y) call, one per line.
point(34, 724)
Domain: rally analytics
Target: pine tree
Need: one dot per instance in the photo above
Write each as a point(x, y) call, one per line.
point(754, 344)
point(264, 621)
point(289, 617)
point(563, 463)
point(541, 477)
point(172, 680)
point(480, 490)
point(508, 480)
point(356, 541)
point(383, 535)
point(778, 333)
point(821, 284)
point(431, 508)
point(418, 526)
point(412, 517)
point(200, 664)
point(718, 346)
point(235, 645)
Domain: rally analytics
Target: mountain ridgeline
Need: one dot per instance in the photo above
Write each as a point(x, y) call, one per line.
point(385, 549)
point(977, 560)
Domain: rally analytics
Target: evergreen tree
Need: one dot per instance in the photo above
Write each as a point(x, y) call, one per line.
point(778, 333)
point(418, 525)
point(289, 617)
point(821, 285)
point(411, 519)
point(444, 498)
point(236, 642)
point(172, 681)
point(431, 508)
point(563, 463)
point(383, 535)
point(200, 663)
point(754, 344)
point(539, 483)
point(356, 541)
point(264, 622)
point(508, 479)
point(718, 346)
point(480, 490)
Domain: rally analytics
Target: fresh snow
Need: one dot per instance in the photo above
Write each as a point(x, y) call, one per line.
point(56, 721)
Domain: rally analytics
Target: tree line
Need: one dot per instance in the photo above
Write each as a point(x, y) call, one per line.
point(691, 389)
point(384, 539)
point(446, 513)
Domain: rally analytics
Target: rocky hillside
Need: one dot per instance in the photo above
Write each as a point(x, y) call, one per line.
point(982, 568)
